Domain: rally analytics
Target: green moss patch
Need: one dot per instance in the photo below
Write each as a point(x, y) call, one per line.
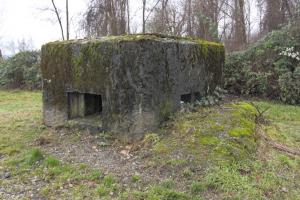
point(221, 134)
point(142, 37)
point(90, 51)
point(198, 158)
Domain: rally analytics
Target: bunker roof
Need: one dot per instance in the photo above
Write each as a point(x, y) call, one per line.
point(142, 37)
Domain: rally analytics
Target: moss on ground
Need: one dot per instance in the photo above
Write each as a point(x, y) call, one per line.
point(212, 134)
point(193, 157)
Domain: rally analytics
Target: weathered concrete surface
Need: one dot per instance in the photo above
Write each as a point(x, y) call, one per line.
point(140, 78)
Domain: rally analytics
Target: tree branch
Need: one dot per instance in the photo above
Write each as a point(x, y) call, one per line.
point(58, 19)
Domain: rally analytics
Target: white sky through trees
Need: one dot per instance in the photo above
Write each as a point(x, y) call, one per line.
point(27, 20)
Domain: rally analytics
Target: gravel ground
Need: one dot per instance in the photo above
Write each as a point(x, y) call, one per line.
point(105, 155)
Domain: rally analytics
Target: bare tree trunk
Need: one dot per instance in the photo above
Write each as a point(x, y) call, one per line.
point(274, 16)
point(108, 17)
point(1, 58)
point(248, 20)
point(286, 5)
point(122, 7)
point(144, 12)
point(113, 22)
point(189, 21)
point(58, 19)
point(240, 25)
point(128, 17)
point(67, 19)
point(164, 16)
point(261, 14)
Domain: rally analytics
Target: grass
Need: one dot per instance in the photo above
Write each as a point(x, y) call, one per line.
point(210, 154)
point(197, 187)
point(135, 178)
point(285, 120)
point(20, 120)
point(211, 135)
point(52, 162)
point(35, 156)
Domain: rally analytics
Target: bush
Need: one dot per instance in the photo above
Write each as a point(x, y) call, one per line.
point(270, 68)
point(21, 71)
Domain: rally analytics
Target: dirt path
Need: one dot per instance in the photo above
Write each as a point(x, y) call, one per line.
point(98, 153)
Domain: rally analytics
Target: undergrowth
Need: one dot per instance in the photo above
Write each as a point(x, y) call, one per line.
point(212, 153)
point(269, 68)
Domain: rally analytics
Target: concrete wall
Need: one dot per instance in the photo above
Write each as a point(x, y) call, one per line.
point(140, 78)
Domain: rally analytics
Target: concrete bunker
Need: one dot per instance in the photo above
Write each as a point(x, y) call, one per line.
point(126, 81)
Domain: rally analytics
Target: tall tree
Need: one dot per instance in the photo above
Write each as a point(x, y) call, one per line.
point(106, 17)
point(67, 20)
point(59, 20)
point(239, 24)
point(273, 16)
point(128, 16)
point(203, 18)
point(1, 57)
point(189, 18)
point(164, 16)
point(144, 15)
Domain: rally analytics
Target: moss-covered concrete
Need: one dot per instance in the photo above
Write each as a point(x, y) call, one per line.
point(140, 77)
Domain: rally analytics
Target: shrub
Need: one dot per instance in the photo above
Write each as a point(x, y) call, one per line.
point(21, 71)
point(270, 68)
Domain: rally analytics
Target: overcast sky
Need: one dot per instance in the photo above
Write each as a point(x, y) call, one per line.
point(27, 19)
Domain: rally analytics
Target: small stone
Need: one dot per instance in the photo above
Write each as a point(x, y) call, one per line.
point(128, 147)
point(111, 193)
point(5, 175)
point(124, 152)
point(285, 190)
point(103, 144)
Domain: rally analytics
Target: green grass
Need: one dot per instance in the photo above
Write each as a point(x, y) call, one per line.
point(236, 164)
point(211, 135)
point(52, 162)
point(197, 187)
point(212, 153)
point(273, 174)
point(280, 112)
point(20, 120)
point(35, 156)
point(135, 178)
point(285, 120)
